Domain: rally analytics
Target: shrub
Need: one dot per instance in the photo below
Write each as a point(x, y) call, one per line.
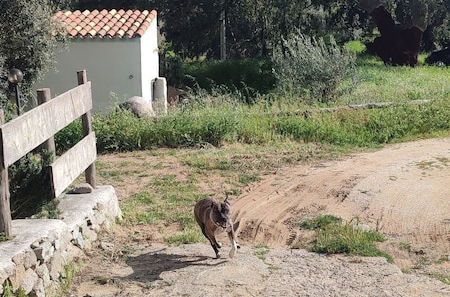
point(30, 184)
point(345, 239)
point(248, 76)
point(320, 222)
point(304, 63)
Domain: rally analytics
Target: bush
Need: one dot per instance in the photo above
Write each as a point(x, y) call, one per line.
point(304, 63)
point(248, 76)
point(30, 184)
point(345, 239)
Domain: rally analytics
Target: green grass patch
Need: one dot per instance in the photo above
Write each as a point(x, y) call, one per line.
point(167, 200)
point(3, 237)
point(185, 238)
point(332, 236)
point(345, 239)
point(320, 222)
point(248, 178)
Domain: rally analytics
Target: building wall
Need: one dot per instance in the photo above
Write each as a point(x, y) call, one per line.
point(149, 59)
point(113, 66)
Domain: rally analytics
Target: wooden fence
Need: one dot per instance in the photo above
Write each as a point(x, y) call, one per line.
point(36, 128)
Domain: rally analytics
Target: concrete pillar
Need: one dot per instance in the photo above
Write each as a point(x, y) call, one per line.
point(160, 96)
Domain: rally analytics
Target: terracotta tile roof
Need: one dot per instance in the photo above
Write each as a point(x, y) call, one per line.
point(104, 23)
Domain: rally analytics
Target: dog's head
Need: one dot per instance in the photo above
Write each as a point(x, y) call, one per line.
point(221, 214)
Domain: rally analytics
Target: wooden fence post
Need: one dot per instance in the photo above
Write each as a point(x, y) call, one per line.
point(44, 95)
point(87, 129)
point(5, 208)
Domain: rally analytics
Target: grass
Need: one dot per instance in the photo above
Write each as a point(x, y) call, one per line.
point(8, 291)
point(376, 82)
point(3, 237)
point(320, 222)
point(334, 237)
point(445, 278)
point(166, 201)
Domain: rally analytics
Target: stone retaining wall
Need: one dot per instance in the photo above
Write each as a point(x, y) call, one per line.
point(36, 258)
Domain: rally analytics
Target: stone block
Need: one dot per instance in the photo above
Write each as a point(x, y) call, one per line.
point(29, 281)
point(44, 251)
point(38, 289)
point(43, 273)
point(56, 266)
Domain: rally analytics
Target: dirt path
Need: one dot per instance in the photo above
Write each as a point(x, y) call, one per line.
point(402, 191)
point(189, 270)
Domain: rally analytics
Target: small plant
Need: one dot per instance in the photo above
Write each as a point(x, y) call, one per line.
point(247, 178)
point(304, 63)
point(320, 222)
point(3, 237)
point(185, 238)
point(345, 239)
point(49, 210)
point(8, 291)
point(261, 251)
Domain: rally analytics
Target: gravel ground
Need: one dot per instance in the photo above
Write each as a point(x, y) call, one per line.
point(189, 270)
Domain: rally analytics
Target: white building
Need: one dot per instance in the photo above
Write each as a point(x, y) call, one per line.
point(119, 50)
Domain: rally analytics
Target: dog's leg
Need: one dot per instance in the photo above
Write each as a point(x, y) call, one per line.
point(234, 244)
point(213, 242)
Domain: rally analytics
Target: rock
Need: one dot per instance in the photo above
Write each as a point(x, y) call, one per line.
point(139, 107)
point(56, 266)
point(362, 227)
point(44, 252)
point(38, 289)
point(78, 240)
point(29, 281)
point(82, 189)
point(44, 274)
point(17, 278)
point(28, 259)
point(106, 246)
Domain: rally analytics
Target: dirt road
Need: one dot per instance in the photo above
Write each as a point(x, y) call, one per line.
point(403, 191)
point(189, 270)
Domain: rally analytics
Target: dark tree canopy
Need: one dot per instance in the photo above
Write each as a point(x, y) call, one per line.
point(28, 38)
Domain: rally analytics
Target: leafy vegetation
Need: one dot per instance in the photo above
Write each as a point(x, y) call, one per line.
point(228, 122)
point(3, 237)
point(28, 41)
point(334, 237)
point(320, 222)
point(306, 63)
point(30, 183)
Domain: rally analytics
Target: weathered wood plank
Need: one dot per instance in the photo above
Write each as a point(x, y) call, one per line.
point(72, 163)
point(26, 132)
point(43, 96)
point(5, 208)
point(86, 120)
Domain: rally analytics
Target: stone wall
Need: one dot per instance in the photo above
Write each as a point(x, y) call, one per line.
point(35, 260)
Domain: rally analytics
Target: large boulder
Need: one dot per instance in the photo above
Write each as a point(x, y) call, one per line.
point(438, 57)
point(139, 106)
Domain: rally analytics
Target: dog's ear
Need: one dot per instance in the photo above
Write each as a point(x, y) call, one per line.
point(226, 199)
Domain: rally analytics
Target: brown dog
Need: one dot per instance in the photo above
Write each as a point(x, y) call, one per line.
point(213, 217)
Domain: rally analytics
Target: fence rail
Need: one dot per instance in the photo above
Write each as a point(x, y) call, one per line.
point(36, 128)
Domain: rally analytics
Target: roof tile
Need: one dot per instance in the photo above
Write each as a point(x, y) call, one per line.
point(112, 23)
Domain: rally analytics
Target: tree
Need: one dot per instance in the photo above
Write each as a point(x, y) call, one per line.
point(29, 38)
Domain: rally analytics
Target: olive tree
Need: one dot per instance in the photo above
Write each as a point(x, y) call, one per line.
point(29, 39)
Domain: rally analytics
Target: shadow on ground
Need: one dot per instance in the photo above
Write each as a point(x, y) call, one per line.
point(148, 267)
